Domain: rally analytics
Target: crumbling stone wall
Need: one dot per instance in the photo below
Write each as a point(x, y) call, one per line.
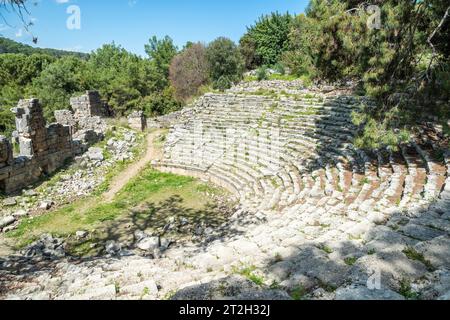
point(30, 125)
point(6, 152)
point(65, 117)
point(137, 121)
point(86, 121)
point(43, 149)
point(88, 105)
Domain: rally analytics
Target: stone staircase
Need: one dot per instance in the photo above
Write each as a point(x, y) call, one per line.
point(276, 153)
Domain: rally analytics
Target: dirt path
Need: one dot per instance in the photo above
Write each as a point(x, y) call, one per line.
point(122, 179)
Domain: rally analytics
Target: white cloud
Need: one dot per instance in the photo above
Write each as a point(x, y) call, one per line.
point(62, 1)
point(19, 33)
point(132, 3)
point(76, 48)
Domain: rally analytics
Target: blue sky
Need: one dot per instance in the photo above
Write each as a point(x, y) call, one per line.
point(130, 23)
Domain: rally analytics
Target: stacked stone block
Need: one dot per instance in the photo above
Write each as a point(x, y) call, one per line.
point(137, 121)
point(31, 130)
point(88, 105)
point(42, 149)
point(86, 122)
point(89, 112)
point(6, 153)
point(65, 117)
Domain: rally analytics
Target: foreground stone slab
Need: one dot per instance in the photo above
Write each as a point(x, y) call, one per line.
point(437, 251)
point(363, 293)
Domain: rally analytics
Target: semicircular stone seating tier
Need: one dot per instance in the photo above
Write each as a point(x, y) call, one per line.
point(293, 155)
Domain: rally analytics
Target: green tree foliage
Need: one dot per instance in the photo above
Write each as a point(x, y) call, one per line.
point(16, 74)
point(189, 71)
point(57, 83)
point(6, 121)
point(265, 41)
point(226, 64)
point(247, 46)
point(326, 43)
point(161, 53)
point(159, 103)
point(122, 78)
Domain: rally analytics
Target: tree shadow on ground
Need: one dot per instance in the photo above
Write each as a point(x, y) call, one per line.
point(169, 218)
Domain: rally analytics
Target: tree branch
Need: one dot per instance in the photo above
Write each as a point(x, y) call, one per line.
point(430, 38)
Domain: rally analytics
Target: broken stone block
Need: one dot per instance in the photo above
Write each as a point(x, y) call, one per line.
point(6, 221)
point(26, 147)
point(9, 202)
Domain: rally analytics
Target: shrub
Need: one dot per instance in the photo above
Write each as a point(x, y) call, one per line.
point(262, 74)
point(223, 83)
point(279, 68)
point(160, 103)
point(247, 47)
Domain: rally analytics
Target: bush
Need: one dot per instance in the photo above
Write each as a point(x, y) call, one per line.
point(262, 74)
point(223, 83)
point(225, 61)
point(160, 103)
point(189, 71)
point(279, 68)
point(6, 122)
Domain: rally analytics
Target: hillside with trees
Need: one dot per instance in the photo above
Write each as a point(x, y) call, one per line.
point(11, 46)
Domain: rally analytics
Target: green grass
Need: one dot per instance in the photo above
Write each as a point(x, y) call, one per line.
point(326, 249)
point(273, 107)
point(274, 183)
point(249, 273)
point(412, 254)
point(327, 287)
point(284, 77)
point(364, 181)
point(145, 201)
point(350, 261)
point(406, 290)
point(298, 293)
point(250, 78)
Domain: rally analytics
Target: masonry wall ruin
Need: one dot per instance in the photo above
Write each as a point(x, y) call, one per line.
point(86, 121)
point(137, 121)
point(44, 149)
